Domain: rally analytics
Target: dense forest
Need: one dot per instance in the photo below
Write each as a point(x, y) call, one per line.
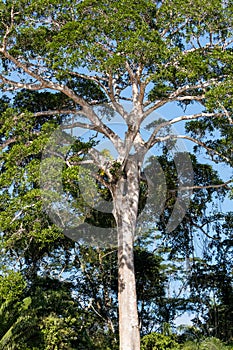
point(70, 268)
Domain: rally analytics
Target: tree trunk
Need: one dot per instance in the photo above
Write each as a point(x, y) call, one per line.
point(125, 198)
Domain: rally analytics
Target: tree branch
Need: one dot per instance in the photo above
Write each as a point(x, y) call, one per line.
point(116, 106)
point(87, 109)
point(210, 150)
point(17, 85)
point(197, 187)
point(175, 95)
point(96, 79)
point(134, 83)
point(6, 143)
point(68, 112)
point(152, 140)
point(226, 113)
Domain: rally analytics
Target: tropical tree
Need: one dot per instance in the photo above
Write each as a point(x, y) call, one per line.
point(148, 53)
point(42, 315)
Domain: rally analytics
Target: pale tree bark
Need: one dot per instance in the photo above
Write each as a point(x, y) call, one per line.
point(125, 199)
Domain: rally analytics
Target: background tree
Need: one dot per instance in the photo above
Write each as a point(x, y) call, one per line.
point(198, 251)
point(161, 52)
point(43, 315)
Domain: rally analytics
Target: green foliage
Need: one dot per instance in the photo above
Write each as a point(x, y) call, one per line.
point(101, 36)
point(206, 344)
point(49, 318)
point(157, 341)
point(12, 284)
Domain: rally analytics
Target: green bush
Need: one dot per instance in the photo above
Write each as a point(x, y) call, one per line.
point(206, 344)
point(213, 344)
point(157, 341)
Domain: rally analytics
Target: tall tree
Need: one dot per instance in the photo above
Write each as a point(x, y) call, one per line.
point(150, 53)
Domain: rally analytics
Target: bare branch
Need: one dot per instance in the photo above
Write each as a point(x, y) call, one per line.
point(58, 111)
point(134, 83)
point(95, 78)
point(68, 112)
point(210, 150)
point(71, 163)
point(175, 95)
point(11, 140)
point(203, 231)
point(129, 99)
point(87, 109)
point(43, 83)
point(21, 212)
point(142, 86)
point(139, 73)
point(17, 85)
point(226, 113)
point(9, 28)
point(7, 143)
point(225, 184)
point(112, 95)
point(80, 125)
point(152, 140)
point(177, 30)
point(227, 43)
point(190, 98)
point(74, 124)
